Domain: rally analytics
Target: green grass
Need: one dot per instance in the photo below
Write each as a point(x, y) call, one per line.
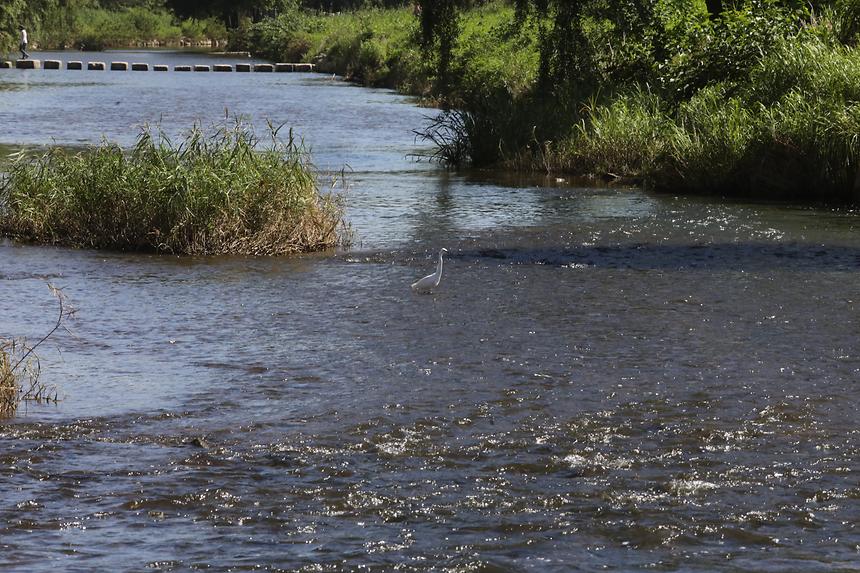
point(379, 46)
point(623, 138)
point(792, 132)
point(372, 46)
point(214, 193)
point(492, 55)
point(709, 143)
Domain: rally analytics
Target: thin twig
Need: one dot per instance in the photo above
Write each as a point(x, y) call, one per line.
point(60, 298)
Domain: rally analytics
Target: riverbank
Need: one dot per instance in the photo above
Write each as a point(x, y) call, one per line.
point(678, 101)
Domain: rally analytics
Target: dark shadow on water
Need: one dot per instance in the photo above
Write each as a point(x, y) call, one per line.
point(644, 256)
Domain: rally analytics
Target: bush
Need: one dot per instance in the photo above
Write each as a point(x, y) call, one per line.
point(211, 194)
point(703, 53)
point(210, 28)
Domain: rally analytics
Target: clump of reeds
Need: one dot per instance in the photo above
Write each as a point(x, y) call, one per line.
point(20, 366)
point(623, 138)
point(19, 378)
point(216, 192)
point(448, 132)
point(709, 144)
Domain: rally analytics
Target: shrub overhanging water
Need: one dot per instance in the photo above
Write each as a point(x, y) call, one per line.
point(216, 192)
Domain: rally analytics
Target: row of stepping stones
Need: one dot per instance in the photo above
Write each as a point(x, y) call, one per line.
point(125, 66)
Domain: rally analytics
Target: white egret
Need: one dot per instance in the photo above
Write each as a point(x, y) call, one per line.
point(428, 283)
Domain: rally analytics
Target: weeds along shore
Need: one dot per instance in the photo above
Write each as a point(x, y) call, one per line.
point(217, 191)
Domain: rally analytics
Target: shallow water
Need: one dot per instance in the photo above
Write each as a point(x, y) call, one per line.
point(607, 379)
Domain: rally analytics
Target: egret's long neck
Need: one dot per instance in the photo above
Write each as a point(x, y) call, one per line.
point(439, 266)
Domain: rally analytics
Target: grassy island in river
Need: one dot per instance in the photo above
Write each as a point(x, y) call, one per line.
point(213, 193)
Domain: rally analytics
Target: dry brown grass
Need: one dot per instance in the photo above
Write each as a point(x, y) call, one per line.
point(8, 382)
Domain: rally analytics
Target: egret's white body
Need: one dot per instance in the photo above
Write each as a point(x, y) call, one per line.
point(428, 283)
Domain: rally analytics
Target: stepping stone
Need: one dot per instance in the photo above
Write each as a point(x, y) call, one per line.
point(6, 64)
point(160, 68)
point(53, 64)
point(304, 67)
point(74, 65)
point(140, 67)
point(119, 66)
point(202, 68)
point(243, 67)
point(222, 68)
point(284, 67)
point(100, 66)
point(181, 68)
point(28, 64)
point(264, 68)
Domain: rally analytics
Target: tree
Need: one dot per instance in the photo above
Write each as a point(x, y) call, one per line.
point(439, 30)
point(27, 13)
point(10, 16)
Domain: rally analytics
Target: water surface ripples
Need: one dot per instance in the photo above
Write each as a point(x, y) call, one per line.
point(608, 379)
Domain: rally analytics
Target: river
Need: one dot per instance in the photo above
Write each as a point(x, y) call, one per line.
point(607, 379)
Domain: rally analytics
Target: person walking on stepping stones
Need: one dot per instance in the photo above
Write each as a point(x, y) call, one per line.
point(24, 54)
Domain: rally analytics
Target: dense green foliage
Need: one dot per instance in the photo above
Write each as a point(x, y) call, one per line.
point(686, 95)
point(374, 46)
point(237, 13)
point(751, 97)
point(97, 24)
point(211, 194)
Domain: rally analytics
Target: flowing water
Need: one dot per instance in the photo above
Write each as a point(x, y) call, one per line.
point(607, 379)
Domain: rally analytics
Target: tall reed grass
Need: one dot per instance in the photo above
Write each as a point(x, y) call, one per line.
point(791, 132)
point(624, 138)
point(216, 192)
point(708, 144)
